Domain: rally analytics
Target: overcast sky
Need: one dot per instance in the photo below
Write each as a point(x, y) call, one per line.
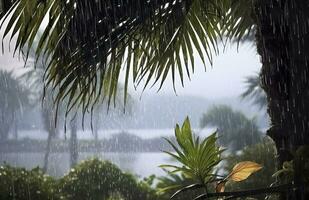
point(224, 79)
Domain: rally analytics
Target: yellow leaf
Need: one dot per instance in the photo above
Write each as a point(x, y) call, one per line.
point(243, 170)
point(220, 187)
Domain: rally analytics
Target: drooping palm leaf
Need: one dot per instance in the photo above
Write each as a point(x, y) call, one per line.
point(254, 91)
point(87, 43)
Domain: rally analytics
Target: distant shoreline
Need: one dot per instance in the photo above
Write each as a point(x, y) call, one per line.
point(122, 142)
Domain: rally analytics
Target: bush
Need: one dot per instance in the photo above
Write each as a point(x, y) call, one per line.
point(97, 180)
point(170, 183)
point(262, 153)
point(90, 180)
point(22, 184)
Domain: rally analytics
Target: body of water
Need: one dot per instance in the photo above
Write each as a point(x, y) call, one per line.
point(141, 164)
point(87, 134)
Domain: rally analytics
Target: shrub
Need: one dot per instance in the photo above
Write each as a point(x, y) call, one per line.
point(90, 180)
point(22, 184)
point(263, 153)
point(97, 180)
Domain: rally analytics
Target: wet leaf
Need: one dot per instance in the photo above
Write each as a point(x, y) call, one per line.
point(243, 170)
point(220, 186)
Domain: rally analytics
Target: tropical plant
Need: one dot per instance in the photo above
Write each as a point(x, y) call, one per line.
point(92, 179)
point(199, 160)
point(22, 184)
point(235, 130)
point(254, 91)
point(96, 180)
point(95, 49)
point(301, 159)
point(14, 99)
point(43, 97)
point(154, 38)
point(263, 153)
point(34, 76)
point(170, 183)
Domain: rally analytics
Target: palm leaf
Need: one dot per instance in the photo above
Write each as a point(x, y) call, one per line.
point(86, 43)
point(254, 91)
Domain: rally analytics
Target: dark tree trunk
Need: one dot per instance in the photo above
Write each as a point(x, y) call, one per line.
point(283, 44)
point(73, 143)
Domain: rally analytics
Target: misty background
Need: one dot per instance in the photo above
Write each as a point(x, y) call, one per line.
point(150, 115)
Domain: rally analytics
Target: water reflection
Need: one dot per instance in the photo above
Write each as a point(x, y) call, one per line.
point(141, 164)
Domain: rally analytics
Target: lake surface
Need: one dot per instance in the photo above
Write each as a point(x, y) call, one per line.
point(87, 134)
point(141, 164)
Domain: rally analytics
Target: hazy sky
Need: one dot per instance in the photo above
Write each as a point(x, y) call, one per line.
point(225, 78)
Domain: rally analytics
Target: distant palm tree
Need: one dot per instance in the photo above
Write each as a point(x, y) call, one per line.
point(254, 91)
point(14, 98)
point(236, 131)
point(42, 96)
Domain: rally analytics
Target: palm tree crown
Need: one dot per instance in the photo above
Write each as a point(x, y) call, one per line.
point(14, 99)
point(86, 43)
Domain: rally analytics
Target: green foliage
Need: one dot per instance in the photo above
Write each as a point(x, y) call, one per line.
point(198, 158)
point(87, 43)
point(171, 183)
point(199, 161)
point(21, 184)
point(235, 130)
point(262, 153)
point(91, 180)
point(97, 180)
point(301, 161)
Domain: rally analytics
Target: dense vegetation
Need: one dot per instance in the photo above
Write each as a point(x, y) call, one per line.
point(263, 153)
point(199, 172)
point(91, 180)
point(97, 38)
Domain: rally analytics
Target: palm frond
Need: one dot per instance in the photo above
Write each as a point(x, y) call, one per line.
point(87, 43)
point(254, 91)
point(239, 22)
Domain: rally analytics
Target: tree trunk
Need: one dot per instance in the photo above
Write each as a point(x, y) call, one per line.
point(73, 143)
point(6, 121)
point(283, 44)
point(47, 152)
point(49, 126)
point(96, 131)
point(15, 128)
